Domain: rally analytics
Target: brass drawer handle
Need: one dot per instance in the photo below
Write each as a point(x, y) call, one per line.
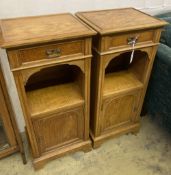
point(51, 53)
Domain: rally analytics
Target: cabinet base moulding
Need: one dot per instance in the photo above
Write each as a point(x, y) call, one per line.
point(97, 141)
point(84, 146)
point(9, 151)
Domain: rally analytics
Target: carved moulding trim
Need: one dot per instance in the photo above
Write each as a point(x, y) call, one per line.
point(110, 57)
point(27, 73)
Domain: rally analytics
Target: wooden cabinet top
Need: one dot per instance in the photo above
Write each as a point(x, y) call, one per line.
point(30, 30)
point(119, 20)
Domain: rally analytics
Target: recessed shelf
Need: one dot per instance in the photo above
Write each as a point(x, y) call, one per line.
point(119, 82)
point(51, 98)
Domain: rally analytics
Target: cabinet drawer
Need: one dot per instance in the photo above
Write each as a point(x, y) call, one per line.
point(45, 53)
point(59, 130)
point(122, 40)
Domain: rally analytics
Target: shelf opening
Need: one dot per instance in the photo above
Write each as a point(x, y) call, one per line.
point(55, 87)
point(121, 75)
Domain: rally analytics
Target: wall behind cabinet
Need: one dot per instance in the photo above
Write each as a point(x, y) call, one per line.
point(14, 8)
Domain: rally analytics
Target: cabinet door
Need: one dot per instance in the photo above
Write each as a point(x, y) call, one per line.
point(59, 130)
point(7, 136)
point(119, 111)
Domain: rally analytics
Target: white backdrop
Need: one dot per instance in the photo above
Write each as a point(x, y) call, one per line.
point(16, 8)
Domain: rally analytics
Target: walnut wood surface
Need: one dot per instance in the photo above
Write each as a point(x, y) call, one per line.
point(56, 101)
point(123, 81)
point(10, 126)
point(29, 30)
point(118, 87)
point(121, 40)
point(54, 91)
point(55, 97)
point(120, 111)
point(21, 57)
point(60, 129)
point(119, 20)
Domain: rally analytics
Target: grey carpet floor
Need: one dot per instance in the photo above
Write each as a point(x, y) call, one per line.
point(147, 153)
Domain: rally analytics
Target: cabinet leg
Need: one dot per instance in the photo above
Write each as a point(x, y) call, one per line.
point(96, 144)
point(39, 165)
point(88, 149)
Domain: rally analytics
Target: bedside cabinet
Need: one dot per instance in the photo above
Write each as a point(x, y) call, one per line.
point(123, 55)
point(50, 58)
point(10, 138)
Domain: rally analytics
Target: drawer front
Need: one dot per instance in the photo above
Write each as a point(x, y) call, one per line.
point(45, 53)
point(120, 111)
point(59, 130)
point(122, 40)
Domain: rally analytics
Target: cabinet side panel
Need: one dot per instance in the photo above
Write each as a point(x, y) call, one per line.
point(95, 96)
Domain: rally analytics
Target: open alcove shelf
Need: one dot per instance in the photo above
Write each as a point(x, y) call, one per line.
point(54, 97)
point(120, 82)
point(122, 76)
point(53, 89)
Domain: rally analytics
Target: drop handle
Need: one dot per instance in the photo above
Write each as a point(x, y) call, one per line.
point(132, 40)
point(52, 53)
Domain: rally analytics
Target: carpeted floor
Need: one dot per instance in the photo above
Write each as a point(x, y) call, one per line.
point(148, 153)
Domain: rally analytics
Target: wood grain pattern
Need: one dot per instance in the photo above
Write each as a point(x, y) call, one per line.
point(65, 94)
point(122, 40)
point(6, 120)
point(118, 87)
point(50, 57)
point(19, 57)
point(14, 140)
point(55, 97)
point(120, 82)
point(119, 111)
point(59, 129)
point(56, 153)
point(29, 30)
point(119, 20)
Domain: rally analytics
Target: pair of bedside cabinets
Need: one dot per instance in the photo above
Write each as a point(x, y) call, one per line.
point(67, 94)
